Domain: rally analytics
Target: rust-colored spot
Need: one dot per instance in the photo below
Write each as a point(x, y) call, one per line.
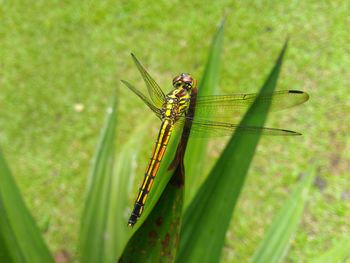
point(177, 239)
point(162, 252)
point(172, 224)
point(152, 243)
point(159, 221)
point(170, 256)
point(165, 243)
point(153, 234)
point(143, 251)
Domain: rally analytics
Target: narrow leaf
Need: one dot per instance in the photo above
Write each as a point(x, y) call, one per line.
point(117, 233)
point(276, 242)
point(340, 253)
point(207, 218)
point(93, 222)
point(196, 149)
point(20, 239)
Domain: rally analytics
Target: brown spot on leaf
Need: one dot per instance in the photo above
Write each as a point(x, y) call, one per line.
point(153, 234)
point(159, 221)
point(165, 243)
point(170, 256)
point(143, 251)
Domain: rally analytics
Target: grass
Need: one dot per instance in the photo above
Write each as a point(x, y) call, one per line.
point(56, 56)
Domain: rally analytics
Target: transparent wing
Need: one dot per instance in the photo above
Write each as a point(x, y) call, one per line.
point(224, 107)
point(210, 129)
point(155, 92)
point(156, 110)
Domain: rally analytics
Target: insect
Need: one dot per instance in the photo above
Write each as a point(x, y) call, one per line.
point(182, 105)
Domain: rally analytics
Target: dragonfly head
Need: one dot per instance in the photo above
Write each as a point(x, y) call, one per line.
point(183, 81)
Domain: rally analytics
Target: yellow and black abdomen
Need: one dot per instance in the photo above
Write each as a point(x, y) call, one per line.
point(153, 165)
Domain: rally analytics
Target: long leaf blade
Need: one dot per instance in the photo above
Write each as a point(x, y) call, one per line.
point(117, 233)
point(207, 217)
point(93, 222)
point(276, 242)
point(20, 239)
point(196, 149)
point(340, 253)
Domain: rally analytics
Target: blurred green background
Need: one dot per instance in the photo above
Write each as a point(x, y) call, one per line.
point(60, 62)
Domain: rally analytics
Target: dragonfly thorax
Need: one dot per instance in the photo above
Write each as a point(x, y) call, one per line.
point(184, 81)
point(176, 104)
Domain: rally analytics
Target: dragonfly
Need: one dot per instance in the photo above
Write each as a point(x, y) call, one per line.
point(182, 104)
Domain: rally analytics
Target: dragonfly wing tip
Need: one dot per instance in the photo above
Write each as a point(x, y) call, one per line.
point(292, 132)
point(296, 91)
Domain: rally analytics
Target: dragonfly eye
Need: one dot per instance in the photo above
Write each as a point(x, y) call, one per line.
point(183, 80)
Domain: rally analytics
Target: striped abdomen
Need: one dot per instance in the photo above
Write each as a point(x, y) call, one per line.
point(157, 155)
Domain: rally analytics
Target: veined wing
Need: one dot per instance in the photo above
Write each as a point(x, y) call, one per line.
point(155, 92)
point(223, 107)
point(209, 129)
point(144, 98)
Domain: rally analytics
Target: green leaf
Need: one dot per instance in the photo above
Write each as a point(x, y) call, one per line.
point(157, 239)
point(117, 232)
point(20, 239)
point(196, 149)
point(207, 218)
point(93, 223)
point(276, 242)
point(340, 253)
